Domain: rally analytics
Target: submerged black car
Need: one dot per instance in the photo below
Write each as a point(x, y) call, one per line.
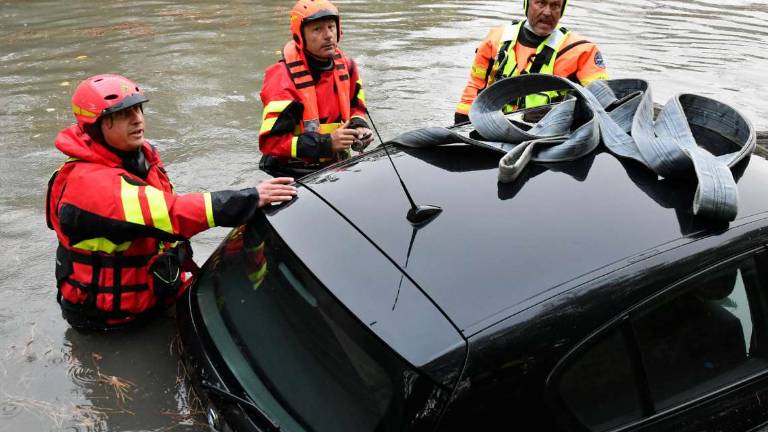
point(583, 297)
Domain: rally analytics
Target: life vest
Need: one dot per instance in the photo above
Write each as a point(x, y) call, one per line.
point(241, 241)
point(302, 79)
point(506, 63)
point(106, 283)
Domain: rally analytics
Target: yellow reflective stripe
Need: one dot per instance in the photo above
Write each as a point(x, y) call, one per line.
point(79, 111)
point(256, 250)
point(462, 108)
point(276, 107)
point(130, 198)
point(102, 245)
point(267, 125)
point(209, 209)
point(328, 128)
point(361, 93)
point(164, 246)
point(594, 77)
point(158, 208)
point(478, 71)
point(294, 146)
point(258, 276)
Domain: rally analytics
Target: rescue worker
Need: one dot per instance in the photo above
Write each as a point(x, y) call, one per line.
point(314, 104)
point(122, 230)
point(538, 44)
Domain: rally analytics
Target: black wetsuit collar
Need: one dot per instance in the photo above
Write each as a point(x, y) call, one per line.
point(530, 39)
point(318, 66)
point(133, 161)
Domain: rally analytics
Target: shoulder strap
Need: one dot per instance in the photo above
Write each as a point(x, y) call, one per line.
point(305, 85)
point(549, 49)
point(507, 49)
point(342, 78)
point(48, 199)
point(50, 186)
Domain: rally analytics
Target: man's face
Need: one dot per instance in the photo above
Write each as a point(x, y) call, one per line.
point(124, 130)
point(321, 37)
point(543, 15)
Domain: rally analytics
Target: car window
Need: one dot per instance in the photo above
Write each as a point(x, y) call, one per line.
point(702, 339)
point(698, 337)
point(295, 349)
point(598, 387)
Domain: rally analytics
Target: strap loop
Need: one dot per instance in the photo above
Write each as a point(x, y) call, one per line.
point(692, 135)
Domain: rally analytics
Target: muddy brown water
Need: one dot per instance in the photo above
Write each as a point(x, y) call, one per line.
point(201, 64)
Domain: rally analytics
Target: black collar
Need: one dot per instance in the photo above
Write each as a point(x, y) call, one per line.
point(133, 161)
point(318, 66)
point(530, 39)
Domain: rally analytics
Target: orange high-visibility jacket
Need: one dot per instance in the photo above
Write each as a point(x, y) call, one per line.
point(571, 56)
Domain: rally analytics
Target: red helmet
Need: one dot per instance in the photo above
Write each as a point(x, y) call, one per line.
point(104, 94)
point(525, 7)
point(306, 11)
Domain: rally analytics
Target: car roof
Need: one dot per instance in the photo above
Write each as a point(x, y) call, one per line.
point(495, 247)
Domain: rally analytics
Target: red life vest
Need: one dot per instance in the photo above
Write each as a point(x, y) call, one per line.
point(302, 79)
point(109, 280)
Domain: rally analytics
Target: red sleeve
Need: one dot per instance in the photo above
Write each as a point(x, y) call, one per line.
point(282, 113)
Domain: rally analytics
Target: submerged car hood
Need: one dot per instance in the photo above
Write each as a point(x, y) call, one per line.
point(496, 248)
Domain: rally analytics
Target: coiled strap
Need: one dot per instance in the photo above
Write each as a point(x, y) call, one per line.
point(620, 113)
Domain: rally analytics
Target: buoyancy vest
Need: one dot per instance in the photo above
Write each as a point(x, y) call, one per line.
point(299, 71)
point(112, 281)
point(506, 63)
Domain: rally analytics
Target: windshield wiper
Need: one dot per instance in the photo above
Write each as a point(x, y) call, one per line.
point(273, 425)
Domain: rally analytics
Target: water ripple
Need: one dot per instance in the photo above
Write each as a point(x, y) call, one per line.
point(81, 375)
point(10, 409)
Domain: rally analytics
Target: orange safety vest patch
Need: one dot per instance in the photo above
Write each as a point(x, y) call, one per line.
point(302, 79)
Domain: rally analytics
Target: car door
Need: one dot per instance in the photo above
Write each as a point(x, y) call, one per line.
point(692, 358)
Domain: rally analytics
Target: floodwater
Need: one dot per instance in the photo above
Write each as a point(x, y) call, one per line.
point(201, 63)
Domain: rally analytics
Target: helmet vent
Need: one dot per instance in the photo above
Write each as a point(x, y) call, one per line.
point(110, 97)
point(97, 80)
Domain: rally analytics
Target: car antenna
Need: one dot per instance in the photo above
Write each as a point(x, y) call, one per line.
point(417, 215)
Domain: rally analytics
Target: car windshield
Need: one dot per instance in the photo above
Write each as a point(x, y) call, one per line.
point(298, 353)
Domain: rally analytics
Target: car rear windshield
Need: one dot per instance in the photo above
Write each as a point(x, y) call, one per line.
point(295, 350)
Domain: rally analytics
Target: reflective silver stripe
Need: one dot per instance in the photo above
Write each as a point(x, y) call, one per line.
point(555, 39)
point(311, 125)
point(510, 33)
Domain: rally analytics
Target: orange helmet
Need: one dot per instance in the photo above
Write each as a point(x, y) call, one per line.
point(525, 7)
point(306, 11)
point(104, 94)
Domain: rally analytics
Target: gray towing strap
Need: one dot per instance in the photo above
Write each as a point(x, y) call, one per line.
point(620, 114)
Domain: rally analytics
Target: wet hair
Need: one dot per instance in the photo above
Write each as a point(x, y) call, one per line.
point(94, 131)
